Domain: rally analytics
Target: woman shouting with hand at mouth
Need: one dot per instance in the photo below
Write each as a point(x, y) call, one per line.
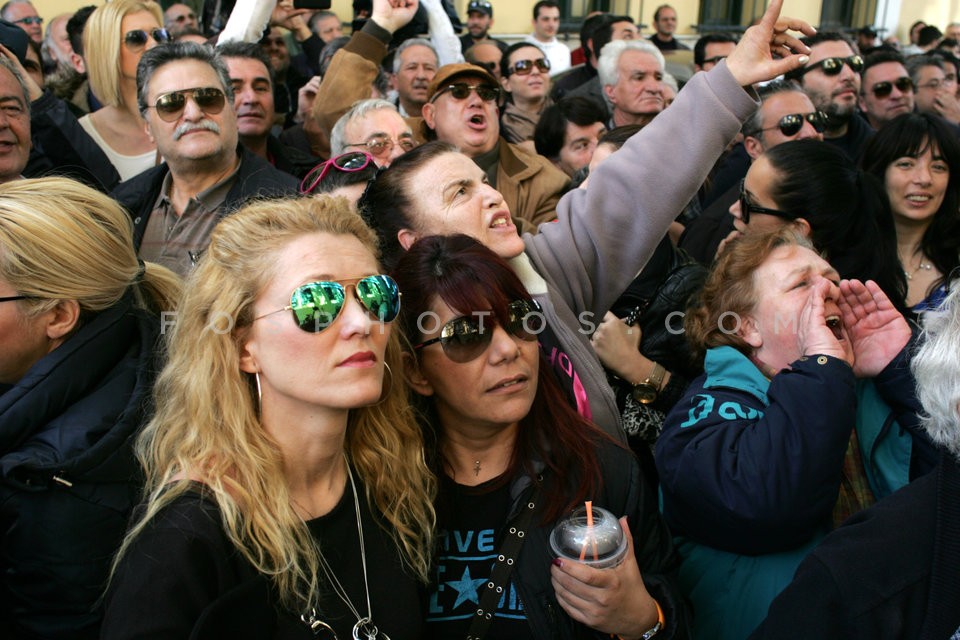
point(805, 415)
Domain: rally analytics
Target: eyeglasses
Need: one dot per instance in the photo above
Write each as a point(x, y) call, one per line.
point(12, 298)
point(525, 67)
point(833, 66)
point(713, 60)
point(138, 37)
point(747, 207)
point(489, 66)
point(29, 20)
point(381, 146)
point(466, 338)
point(316, 305)
point(791, 123)
point(346, 162)
point(170, 105)
point(460, 91)
point(884, 89)
point(933, 84)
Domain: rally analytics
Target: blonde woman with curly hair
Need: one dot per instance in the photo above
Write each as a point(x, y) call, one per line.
point(115, 37)
point(80, 322)
point(286, 484)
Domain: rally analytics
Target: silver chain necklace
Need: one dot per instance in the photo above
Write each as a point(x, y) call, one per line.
point(365, 629)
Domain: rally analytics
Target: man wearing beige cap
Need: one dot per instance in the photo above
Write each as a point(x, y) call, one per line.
point(461, 109)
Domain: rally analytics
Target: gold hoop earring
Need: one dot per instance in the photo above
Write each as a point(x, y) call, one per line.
point(256, 377)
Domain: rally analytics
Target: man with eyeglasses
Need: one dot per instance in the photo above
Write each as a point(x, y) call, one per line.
point(631, 73)
point(524, 76)
point(186, 99)
point(252, 81)
point(886, 90)
point(832, 80)
point(710, 49)
point(786, 113)
point(462, 110)
point(179, 18)
point(486, 55)
point(933, 95)
point(375, 127)
point(22, 14)
point(665, 22)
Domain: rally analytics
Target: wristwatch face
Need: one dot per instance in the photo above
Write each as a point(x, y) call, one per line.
point(644, 392)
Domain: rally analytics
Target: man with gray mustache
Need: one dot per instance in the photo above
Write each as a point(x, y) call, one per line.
point(186, 101)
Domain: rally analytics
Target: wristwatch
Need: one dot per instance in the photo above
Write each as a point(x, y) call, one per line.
point(647, 390)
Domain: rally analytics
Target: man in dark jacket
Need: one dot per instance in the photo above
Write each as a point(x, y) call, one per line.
point(185, 96)
point(252, 81)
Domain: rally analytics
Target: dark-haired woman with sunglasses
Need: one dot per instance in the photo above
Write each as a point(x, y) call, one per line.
point(525, 78)
point(816, 189)
point(512, 458)
point(286, 489)
point(115, 37)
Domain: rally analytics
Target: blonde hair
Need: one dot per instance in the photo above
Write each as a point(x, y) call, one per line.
point(207, 422)
point(61, 240)
point(102, 41)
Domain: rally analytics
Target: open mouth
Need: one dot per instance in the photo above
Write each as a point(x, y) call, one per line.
point(500, 220)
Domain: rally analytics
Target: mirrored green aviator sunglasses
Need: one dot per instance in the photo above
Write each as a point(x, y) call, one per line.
point(316, 305)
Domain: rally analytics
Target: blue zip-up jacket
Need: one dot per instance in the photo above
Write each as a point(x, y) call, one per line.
point(750, 470)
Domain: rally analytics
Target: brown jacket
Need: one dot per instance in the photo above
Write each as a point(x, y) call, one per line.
point(530, 184)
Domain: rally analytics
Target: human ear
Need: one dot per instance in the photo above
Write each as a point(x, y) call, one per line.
point(608, 91)
point(749, 332)
point(62, 319)
point(429, 113)
point(414, 376)
point(406, 238)
point(248, 361)
point(753, 147)
point(803, 227)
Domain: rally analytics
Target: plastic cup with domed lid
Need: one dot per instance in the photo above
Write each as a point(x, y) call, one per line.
point(591, 535)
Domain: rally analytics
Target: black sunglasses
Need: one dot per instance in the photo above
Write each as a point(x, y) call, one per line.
point(346, 162)
point(747, 207)
point(138, 37)
point(316, 305)
point(713, 60)
point(170, 105)
point(461, 90)
point(12, 298)
point(791, 123)
point(833, 66)
point(525, 67)
point(466, 338)
point(884, 89)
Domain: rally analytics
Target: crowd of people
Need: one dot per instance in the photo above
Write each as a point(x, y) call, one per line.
point(305, 334)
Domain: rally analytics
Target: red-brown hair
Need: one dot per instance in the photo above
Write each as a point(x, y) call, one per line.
point(468, 276)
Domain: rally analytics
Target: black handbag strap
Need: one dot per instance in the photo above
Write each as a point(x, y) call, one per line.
point(503, 566)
